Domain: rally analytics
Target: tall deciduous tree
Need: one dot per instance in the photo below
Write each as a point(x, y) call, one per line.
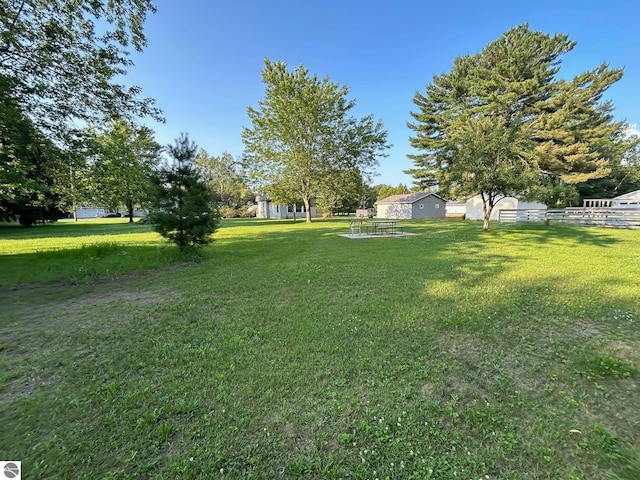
point(302, 133)
point(183, 212)
point(72, 170)
point(345, 192)
point(126, 158)
point(63, 59)
point(223, 175)
point(501, 121)
point(28, 163)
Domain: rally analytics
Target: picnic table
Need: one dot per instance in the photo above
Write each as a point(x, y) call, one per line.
point(379, 227)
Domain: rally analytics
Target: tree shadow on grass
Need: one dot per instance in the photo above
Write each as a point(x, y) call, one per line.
point(540, 339)
point(267, 222)
point(543, 234)
point(425, 319)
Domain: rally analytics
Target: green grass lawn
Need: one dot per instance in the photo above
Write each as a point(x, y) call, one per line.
point(287, 351)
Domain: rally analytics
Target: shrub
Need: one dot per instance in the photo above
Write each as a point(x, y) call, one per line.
point(228, 212)
point(248, 212)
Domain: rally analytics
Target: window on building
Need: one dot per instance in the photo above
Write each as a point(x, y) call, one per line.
point(421, 205)
point(437, 205)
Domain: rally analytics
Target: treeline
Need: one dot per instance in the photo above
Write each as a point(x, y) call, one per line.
point(61, 64)
point(60, 67)
point(501, 122)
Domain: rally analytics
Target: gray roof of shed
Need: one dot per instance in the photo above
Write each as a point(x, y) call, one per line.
point(407, 198)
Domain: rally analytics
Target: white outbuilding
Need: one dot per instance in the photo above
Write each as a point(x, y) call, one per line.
point(474, 209)
point(628, 200)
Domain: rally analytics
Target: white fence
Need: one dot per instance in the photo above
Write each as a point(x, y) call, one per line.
point(522, 215)
point(605, 216)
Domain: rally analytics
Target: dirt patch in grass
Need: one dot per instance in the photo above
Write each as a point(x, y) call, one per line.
point(626, 350)
point(134, 299)
point(40, 325)
point(29, 305)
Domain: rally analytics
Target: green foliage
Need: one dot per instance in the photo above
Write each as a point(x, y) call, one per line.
point(603, 365)
point(73, 182)
point(302, 140)
point(555, 193)
point(226, 211)
point(27, 167)
point(183, 212)
point(125, 160)
point(385, 191)
point(65, 59)
point(146, 220)
point(493, 159)
point(61, 64)
point(501, 121)
point(369, 196)
point(226, 181)
point(623, 178)
point(344, 193)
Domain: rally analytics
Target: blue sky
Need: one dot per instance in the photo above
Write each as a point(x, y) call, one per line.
point(204, 59)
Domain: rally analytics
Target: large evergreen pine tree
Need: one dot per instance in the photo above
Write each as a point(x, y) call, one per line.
point(502, 121)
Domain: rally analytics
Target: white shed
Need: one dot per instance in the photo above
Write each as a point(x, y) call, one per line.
point(456, 208)
point(475, 212)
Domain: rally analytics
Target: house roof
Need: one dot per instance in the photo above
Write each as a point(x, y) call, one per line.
point(629, 196)
point(407, 198)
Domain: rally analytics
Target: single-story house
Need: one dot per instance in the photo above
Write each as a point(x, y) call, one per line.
point(475, 207)
point(91, 212)
point(269, 209)
point(410, 206)
point(100, 212)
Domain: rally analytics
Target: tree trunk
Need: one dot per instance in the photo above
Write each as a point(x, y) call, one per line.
point(307, 208)
point(487, 208)
point(130, 210)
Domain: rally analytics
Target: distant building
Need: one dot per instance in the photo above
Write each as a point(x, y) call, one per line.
point(411, 206)
point(474, 209)
point(631, 199)
point(266, 208)
point(628, 200)
point(456, 208)
point(101, 212)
